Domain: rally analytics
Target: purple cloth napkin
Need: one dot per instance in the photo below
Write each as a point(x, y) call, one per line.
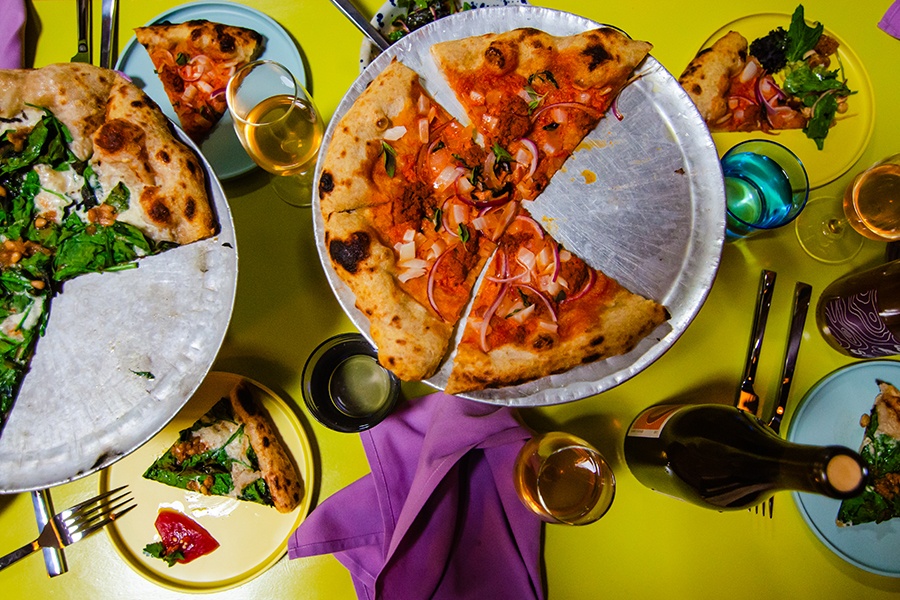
point(438, 516)
point(12, 31)
point(890, 22)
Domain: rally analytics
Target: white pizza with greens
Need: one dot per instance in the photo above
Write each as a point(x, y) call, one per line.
point(234, 451)
point(92, 178)
point(881, 450)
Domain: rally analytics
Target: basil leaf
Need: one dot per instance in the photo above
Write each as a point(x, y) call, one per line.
point(119, 197)
point(390, 158)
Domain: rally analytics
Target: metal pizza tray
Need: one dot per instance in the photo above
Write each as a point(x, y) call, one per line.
point(642, 199)
point(87, 399)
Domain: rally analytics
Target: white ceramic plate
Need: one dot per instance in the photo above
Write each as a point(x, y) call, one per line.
point(829, 414)
point(222, 148)
point(252, 537)
point(642, 199)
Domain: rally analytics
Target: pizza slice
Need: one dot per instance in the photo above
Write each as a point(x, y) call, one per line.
point(409, 218)
point(784, 80)
point(533, 97)
point(194, 61)
point(541, 310)
point(880, 501)
point(234, 451)
point(93, 179)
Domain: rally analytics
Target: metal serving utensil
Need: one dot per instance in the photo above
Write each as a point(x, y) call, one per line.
point(747, 398)
point(85, 45)
point(369, 30)
point(108, 27)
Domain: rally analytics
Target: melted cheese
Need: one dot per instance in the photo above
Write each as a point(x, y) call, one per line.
point(24, 120)
point(13, 325)
point(59, 189)
point(216, 436)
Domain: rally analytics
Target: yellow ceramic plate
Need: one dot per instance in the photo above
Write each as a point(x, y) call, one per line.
point(252, 537)
point(849, 137)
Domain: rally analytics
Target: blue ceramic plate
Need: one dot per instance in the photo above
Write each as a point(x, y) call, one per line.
point(829, 414)
point(222, 148)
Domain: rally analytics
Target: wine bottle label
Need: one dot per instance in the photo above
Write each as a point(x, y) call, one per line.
point(650, 423)
point(854, 323)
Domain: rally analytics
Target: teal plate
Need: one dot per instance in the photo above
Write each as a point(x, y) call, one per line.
point(829, 414)
point(222, 148)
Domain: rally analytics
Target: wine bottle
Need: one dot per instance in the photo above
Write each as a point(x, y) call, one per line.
point(859, 314)
point(724, 458)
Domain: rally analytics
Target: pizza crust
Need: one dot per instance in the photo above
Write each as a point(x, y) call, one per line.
point(411, 339)
point(611, 56)
point(282, 479)
point(707, 78)
point(618, 324)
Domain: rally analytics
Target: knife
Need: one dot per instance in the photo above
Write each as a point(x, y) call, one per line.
point(54, 558)
point(108, 26)
point(84, 53)
point(362, 24)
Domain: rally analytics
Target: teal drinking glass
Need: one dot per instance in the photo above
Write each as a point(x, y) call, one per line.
point(766, 186)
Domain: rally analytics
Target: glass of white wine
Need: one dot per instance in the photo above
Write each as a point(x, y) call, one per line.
point(563, 479)
point(832, 229)
point(279, 126)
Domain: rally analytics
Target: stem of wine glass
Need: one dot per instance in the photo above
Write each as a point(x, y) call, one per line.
point(824, 232)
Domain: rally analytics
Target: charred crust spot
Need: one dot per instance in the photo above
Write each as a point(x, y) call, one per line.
point(597, 340)
point(495, 57)
point(296, 497)
point(265, 441)
point(244, 397)
point(227, 43)
point(191, 166)
point(116, 135)
point(351, 252)
point(542, 342)
point(137, 104)
point(159, 212)
point(326, 184)
point(163, 156)
point(190, 208)
point(590, 358)
point(696, 89)
point(743, 55)
point(597, 55)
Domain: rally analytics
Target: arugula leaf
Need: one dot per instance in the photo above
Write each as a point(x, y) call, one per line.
point(824, 110)
point(801, 38)
point(158, 550)
point(463, 233)
point(257, 491)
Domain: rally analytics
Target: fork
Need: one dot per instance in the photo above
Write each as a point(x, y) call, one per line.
point(76, 523)
point(108, 32)
point(84, 32)
point(747, 398)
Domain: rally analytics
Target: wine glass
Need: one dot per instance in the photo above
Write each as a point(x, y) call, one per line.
point(832, 229)
point(279, 126)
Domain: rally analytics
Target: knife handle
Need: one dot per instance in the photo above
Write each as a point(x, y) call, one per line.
point(54, 558)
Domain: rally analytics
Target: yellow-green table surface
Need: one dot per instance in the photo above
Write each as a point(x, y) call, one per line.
point(648, 545)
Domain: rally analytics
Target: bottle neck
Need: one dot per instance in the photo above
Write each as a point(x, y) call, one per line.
point(832, 471)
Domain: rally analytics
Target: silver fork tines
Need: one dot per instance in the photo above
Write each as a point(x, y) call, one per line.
point(76, 523)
